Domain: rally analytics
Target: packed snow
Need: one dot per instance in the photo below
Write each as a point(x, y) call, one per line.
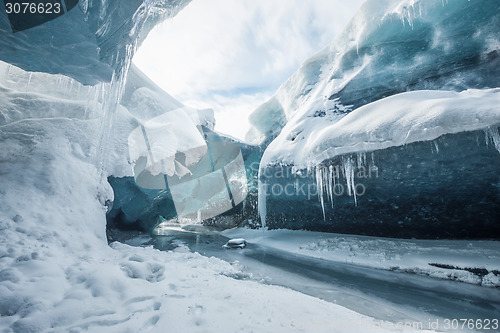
point(393, 121)
point(58, 273)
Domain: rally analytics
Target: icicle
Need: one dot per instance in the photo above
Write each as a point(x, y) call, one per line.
point(261, 200)
point(330, 187)
point(492, 135)
point(333, 176)
point(436, 146)
point(349, 175)
point(361, 159)
point(319, 186)
point(29, 80)
point(308, 170)
point(326, 177)
point(111, 100)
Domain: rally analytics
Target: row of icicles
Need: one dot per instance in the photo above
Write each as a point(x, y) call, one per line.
point(327, 177)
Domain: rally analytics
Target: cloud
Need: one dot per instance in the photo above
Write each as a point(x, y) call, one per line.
point(232, 110)
point(217, 51)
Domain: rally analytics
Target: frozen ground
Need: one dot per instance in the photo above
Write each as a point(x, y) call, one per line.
point(476, 262)
point(385, 295)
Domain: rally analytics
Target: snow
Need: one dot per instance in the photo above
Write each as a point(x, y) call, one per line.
point(393, 121)
point(397, 120)
point(400, 72)
point(402, 255)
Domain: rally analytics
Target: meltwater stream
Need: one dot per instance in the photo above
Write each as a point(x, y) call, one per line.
point(384, 295)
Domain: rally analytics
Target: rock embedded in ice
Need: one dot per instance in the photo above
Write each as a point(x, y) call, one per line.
point(236, 243)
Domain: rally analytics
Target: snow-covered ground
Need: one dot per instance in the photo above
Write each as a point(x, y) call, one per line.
point(476, 262)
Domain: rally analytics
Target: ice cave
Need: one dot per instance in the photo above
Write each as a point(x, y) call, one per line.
point(364, 197)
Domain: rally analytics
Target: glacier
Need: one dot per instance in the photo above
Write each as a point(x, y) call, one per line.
point(404, 76)
point(143, 207)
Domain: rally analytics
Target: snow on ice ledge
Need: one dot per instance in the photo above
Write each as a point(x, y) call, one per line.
point(393, 121)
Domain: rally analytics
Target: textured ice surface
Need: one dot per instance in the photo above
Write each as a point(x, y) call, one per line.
point(172, 129)
point(89, 42)
point(57, 272)
point(452, 192)
point(389, 47)
point(137, 206)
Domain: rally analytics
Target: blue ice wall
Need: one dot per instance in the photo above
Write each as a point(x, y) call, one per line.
point(89, 42)
point(445, 188)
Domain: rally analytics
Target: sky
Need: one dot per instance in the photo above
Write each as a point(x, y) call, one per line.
point(232, 55)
